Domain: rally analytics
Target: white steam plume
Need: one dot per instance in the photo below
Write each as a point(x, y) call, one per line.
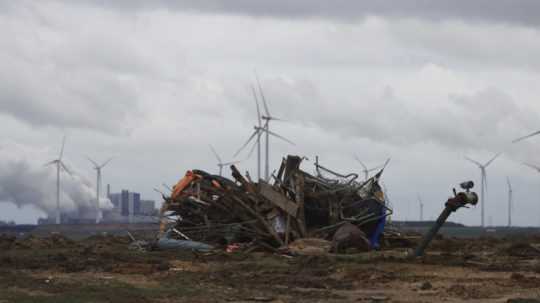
point(24, 180)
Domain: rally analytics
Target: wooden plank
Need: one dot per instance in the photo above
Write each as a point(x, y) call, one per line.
point(280, 172)
point(299, 189)
point(248, 186)
point(265, 223)
point(288, 230)
point(278, 199)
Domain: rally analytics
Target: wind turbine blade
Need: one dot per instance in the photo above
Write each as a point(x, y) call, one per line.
point(278, 119)
point(106, 162)
point(247, 142)
point(278, 136)
point(65, 168)
point(265, 105)
point(62, 149)
point(93, 162)
point(50, 163)
point(257, 104)
point(525, 137)
point(492, 159)
point(535, 167)
point(231, 163)
point(215, 153)
point(473, 161)
point(254, 145)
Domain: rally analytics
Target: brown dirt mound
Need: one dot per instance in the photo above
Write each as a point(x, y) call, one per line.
point(6, 241)
point(521, 250)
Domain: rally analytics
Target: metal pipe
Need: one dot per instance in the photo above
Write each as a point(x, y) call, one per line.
point(433, 231)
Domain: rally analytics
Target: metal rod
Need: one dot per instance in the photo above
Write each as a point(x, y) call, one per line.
point(433, 231)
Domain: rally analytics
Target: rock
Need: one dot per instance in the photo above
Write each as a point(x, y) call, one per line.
point(516, 276)
point(349, 236)
point(426, 286)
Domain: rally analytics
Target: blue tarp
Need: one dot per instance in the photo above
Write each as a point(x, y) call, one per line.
point(166, 242)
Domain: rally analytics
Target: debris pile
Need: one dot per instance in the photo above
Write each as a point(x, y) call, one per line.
point(241, 213)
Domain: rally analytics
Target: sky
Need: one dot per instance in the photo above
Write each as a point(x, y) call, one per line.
point(152, 84)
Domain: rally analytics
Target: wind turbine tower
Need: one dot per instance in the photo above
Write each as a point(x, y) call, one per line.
point(421, 204)
point(59, 166)
point(268, 117)
point(483, 184)
point(510, 202)
point(98, 168)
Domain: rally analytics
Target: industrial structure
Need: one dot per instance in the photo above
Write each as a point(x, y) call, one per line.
point(127, 207)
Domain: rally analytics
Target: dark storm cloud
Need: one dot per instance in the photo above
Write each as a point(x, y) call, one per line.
point(52, 72)
point(523, 12)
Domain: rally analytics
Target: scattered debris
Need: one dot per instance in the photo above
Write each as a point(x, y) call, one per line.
point(166, 242)
point(267, 215)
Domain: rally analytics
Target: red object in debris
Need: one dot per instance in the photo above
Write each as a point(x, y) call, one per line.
point(232, 247)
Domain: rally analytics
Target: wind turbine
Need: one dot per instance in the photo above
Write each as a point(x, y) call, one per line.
point(259, 130)
point(483, 185)
point(510, 202)
point(98, 168)
point(365, 170)
point(268, 117)
point(220, 162)
point(421, 204)
point(59, 166)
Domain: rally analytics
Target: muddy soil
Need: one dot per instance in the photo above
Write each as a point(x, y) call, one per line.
point(103, 269)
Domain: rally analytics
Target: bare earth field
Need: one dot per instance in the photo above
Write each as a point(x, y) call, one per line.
point(102, 269)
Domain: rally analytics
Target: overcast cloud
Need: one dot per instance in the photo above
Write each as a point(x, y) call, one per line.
point(508, 11)
point(422, 82)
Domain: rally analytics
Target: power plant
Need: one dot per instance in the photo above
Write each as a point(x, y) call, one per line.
point(127, 207)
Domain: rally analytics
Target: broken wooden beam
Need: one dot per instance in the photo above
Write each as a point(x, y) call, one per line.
point(278, 199)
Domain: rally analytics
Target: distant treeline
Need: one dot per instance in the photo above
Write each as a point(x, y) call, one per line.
point(425, 224)
point(17, 228)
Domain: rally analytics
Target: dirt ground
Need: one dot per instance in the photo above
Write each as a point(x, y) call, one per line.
point(102, 269)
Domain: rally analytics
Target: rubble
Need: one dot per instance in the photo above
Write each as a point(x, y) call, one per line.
point(218, 211)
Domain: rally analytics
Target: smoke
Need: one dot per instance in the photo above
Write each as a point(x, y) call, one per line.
point(25, 180)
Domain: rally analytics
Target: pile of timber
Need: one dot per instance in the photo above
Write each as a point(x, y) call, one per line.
point(212, 209)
